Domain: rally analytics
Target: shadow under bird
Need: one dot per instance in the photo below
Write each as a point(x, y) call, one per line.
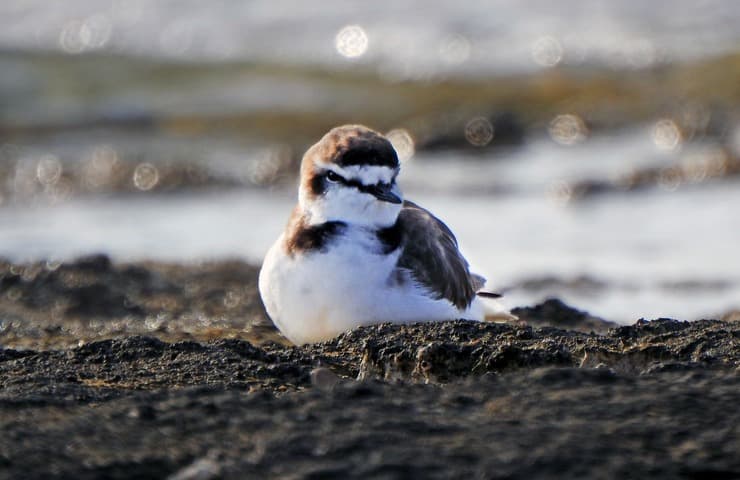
point(354, 252)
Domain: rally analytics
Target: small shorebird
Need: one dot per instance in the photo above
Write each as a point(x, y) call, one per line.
point(355, 253)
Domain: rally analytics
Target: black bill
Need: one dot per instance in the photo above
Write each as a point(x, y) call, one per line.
point(382, 192)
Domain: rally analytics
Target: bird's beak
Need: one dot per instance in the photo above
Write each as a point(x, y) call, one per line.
point(384, 193)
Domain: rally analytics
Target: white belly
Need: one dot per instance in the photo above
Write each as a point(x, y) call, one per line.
point(316, 296)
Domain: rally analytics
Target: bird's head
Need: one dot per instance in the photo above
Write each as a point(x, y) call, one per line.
point(350, 176)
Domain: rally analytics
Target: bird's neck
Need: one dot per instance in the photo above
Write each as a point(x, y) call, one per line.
point(372, 215)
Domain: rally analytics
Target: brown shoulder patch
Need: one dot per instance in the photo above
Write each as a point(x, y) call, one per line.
point(302, 237)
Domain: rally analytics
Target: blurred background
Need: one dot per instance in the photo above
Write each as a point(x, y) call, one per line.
point(588, 150)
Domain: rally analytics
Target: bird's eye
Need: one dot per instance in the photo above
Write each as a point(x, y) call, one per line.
point(333, 177)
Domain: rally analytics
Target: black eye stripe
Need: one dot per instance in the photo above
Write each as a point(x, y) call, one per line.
point(334, 177)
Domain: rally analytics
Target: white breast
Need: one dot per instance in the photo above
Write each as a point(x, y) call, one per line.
point(315, 296)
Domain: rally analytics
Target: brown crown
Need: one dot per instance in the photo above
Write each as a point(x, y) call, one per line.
point(353, 145)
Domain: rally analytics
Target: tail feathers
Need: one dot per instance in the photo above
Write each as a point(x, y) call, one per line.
point(488, 294)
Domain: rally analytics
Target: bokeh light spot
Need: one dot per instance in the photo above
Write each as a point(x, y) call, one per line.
point(267, 164)
point(25, 180)
point(80, 36)
point(146, 176)
point(71, 39)
point(479, 131)
point(48, 170)
point(666, 135)
point(97, 30)
point(53, 264)
point(695, 168)
point(100, 167)
point(351, 41)
point(560, 192)
point(402, 142)
point(568, 129)
point(14, 294)
point(547, 51)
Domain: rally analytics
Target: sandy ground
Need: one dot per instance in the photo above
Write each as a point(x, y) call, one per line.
point(154, 371)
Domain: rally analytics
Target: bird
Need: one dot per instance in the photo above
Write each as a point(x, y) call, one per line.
point(354, 252)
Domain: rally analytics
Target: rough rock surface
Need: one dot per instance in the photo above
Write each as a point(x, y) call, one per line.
point(444, 400)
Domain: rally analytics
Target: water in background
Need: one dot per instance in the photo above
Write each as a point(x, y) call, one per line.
point(584, 149)
point(415, 38)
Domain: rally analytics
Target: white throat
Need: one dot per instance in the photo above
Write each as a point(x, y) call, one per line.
point(349, 205)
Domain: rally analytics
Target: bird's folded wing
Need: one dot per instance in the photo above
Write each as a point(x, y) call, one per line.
point(431, 256)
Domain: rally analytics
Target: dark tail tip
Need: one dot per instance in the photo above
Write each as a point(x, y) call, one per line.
point(489, 294)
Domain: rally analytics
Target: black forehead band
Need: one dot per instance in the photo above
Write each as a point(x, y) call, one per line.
point(369, 155)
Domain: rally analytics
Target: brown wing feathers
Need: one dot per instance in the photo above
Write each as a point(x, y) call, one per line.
point(432, 258)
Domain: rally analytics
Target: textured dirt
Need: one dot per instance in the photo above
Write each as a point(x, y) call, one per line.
point(52, 304)
point(445, 400)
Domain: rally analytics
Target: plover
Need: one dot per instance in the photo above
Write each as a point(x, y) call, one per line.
point(355, 252)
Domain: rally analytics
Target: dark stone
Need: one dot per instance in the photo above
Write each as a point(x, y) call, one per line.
point(554, 312)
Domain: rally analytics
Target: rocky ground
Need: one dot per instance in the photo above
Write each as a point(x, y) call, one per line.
point(148, 371)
